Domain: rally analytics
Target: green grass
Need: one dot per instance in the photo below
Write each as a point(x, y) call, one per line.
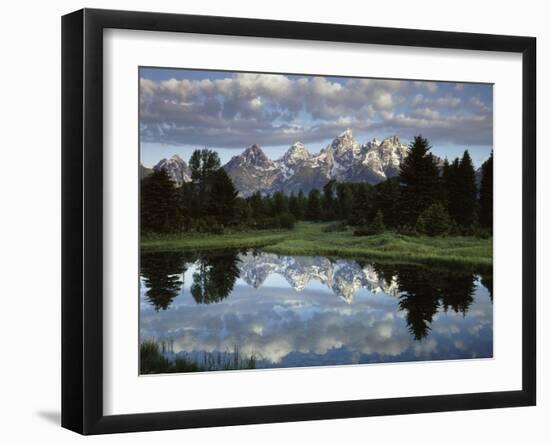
point(195, 241)
point(313, 239)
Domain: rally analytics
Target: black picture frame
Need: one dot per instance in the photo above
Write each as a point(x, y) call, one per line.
point(82, 219)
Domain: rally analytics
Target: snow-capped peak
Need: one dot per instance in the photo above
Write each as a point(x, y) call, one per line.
point(176, 168)
point(296, 153)
point(345, 143)
point(347, 133)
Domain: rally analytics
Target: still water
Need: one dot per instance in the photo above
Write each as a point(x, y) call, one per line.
point(287, 311)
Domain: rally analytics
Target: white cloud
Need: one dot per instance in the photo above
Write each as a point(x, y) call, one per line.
point(428, 86)
point(384, 101)
point(272, 109)
point(479, 104)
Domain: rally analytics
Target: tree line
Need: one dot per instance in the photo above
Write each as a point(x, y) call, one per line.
point(426, 198)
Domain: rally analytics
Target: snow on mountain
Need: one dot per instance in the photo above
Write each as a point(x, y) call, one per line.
point(176, 169)
point(296, 154)
point(252, 171)
point(344, 159)
point(384, 157)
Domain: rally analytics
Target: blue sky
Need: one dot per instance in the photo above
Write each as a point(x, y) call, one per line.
point(182, 109)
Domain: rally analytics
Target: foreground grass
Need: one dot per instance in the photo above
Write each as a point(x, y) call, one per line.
point(311, 239)
point(152, 361)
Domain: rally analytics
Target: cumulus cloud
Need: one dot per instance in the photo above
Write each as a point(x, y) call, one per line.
point(271, 109)
point(479, 104)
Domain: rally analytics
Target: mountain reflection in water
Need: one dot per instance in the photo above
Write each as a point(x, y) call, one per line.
point(309, 311)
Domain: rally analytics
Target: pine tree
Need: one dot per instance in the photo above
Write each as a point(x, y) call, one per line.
point(279, 203)
point(257, 204)
point(445, 182)
point(159, 203)
point(375, 227)
point(466, 205)
point(387, 200)
point(203, 163)
point(302, 202)
point(486, 194)
point(452, 188)
point(377, 224)
point(345, 200)
point(222, 197)
point(313, 209)
point(419, 178)
point(433, 221)
point(295, 207)
point(363, 203)
point(329, 202)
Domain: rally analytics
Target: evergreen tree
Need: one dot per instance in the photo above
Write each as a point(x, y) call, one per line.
point(445, 181)
point(387, 200)
point(222, 198)
point(363, 203)
point(279, 203)
point(375, 227)
point(313, 209)
point(203, 163)
point(257, 205)
point(452, 189)
point(466, 192)
point(419, 178)
point(295, 207)
point(433, 221)
point(345, 200)
point(329, 202)
point(302, 202)
point(486, 194)
point(159, 203)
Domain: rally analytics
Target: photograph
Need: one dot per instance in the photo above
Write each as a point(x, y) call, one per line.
point(292, 220)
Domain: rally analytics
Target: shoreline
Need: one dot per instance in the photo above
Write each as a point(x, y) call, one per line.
point(310, 239)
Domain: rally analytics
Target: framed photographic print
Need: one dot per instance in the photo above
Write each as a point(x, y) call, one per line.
point(270, 221)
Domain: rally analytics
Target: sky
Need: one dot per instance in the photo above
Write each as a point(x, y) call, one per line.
point(182, 109)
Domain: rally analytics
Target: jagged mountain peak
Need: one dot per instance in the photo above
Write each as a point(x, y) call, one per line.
point(344, 160)
point(348, 133)
point(345, 145)
point(176, 168)
point(296, 153)
point(254, 155)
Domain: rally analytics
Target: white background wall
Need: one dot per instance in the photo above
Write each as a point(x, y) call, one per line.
point(30, 219)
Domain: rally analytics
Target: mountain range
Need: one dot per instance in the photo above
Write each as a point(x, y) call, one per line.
point(344, 159)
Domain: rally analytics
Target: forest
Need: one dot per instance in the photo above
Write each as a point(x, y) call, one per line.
point(426, 198)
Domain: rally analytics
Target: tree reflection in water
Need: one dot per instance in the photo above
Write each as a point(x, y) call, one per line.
point(162, 275)
point(422, 291)
point(215, 277)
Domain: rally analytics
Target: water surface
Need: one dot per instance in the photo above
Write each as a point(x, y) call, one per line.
point(290, 311)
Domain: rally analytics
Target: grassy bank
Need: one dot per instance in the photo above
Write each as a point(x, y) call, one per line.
point(311, 239)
